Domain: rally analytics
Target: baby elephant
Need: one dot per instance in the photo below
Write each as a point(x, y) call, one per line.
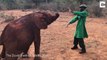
point(19, 34)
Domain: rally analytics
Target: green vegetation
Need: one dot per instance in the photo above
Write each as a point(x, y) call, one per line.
point(55, 5)
point(6, 18)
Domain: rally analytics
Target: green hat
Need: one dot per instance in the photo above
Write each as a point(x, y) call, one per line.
point(83, 5)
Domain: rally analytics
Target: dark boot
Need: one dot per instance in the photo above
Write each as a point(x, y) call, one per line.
point(82, 45)
point(75, 47)
point(75, 44)
point(83, 51)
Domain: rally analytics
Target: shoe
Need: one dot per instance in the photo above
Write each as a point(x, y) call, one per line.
point(73, 48)
point(82, 52)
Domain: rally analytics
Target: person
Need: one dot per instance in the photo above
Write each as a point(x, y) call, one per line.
point(81, 32)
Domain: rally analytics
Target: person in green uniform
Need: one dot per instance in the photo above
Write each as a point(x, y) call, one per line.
point(80, 32)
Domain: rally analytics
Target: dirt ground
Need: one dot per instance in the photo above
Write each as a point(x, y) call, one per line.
point(57, 40)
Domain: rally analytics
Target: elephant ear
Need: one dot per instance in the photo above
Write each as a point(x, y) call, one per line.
point(40, 22)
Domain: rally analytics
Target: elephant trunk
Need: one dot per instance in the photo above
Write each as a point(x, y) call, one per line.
point(53, 18)
point(56, 16)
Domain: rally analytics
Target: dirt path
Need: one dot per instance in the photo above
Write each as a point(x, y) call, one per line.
point(57, 40)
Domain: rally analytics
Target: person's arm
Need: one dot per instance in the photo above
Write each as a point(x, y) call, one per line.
point(74, 19)
point(84, 13)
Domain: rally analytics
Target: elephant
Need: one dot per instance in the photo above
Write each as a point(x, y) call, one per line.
point(19, 34)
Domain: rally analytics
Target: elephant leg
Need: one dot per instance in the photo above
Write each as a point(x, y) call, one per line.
point(38, 58)
point(37, 43)
point(37, 46)
point(3, 52)
point(25, 53)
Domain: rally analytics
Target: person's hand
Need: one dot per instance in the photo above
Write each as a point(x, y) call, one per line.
point(66, 26)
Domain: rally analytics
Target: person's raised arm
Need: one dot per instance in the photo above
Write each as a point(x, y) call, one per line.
point(83, 13)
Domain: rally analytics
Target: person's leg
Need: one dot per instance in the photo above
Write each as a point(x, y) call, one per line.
point(82, 45)
point(75, 43)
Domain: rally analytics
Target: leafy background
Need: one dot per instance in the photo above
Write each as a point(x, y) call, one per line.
point(54, 5)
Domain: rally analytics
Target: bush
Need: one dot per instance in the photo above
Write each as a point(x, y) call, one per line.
point(55, 5)
point(94, 9)
point(6, 18)
point(49, 6)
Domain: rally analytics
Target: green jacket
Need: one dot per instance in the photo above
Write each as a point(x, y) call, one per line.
point(80, 28)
